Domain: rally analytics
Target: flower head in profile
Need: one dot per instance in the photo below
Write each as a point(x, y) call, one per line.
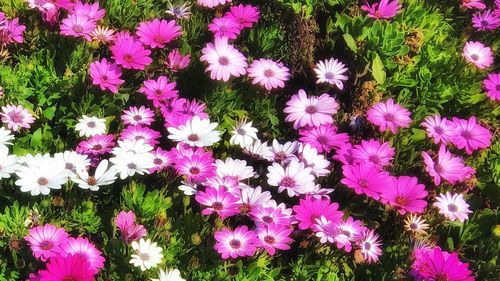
point(218, 201)
point(436, 264)
point(106, 75)
point(441, 130)
point(370, 246)
point(478, 54)
point(103, 34)
point(245, 15)
point(130, 53)
point(385, 9)
point(90, 126)
point(470, 135)
point(45, 240)
point(70, 267)
point(171, 274)
point(268, 73)
point(243, 134)
point(492, 86)
point(129, 229)
point(177, 61)
point(309, 209)
point(274, 237)
point(331, 71)
point(473, 4)
point(223, 60)
point(324, 138)
point(238, 243)
point(16, 117)
point(196, 132)
point(224, 27)
point(447, 166)
point(389, 115)
point(453, 206)
point(146, 254)
point(157, 33)
point(312, 111)
point(405, 195)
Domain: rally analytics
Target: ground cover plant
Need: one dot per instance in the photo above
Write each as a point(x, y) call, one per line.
point(249, 140)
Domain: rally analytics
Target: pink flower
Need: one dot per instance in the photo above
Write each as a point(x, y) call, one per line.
point(406, 195)
point(50, 11)
point(389, 115)
point(16, 117)
point(347, 232)
point(218, 201)
point(366, 178)
point(129, 229)
point(370, 246)
point(212, 3)
point(78, 26)
point(178, 112)
point(441, 130)
point(274, 236)
point(245, 15)
point(385, 9)
point(312, 111)
point(162, 159)
point(106, 75)
point(45, 240)
point(238, 243)
point(310, 209)
point(130, 53)
point(96, 145)
point(452, 206)
point(449, 167)
point(486, 20)
point(270, 215)
point(138, 116)
point(157, 33)
point(158, 91)
point(325, 230)
point(331, 71)
point(268, 74)
point(70, 267)
point(440, 265)
point(138, 132)
point(224, 27)
point(82, 247)
point(196, 168)
point(470, 135)
point(10, 30)
point(373, 151)
point(324, 138)
point(473, 4)
point(492, 86)
point(345, 155)
point(92, 11)
point(478, 54)
point(176, 61)
point(223, 60)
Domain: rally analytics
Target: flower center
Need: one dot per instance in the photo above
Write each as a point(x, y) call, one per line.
point(137, 118)
point(322, 139)
point(77, 28)
point(363, 183)
point(389, 117)
point(329, 76)
point(466, 135)
point(194, 171)
point(311, 109)
point(374, 159)
point(452, 208)
point(91, 181)
point(158, 161)
point(97, 147)
point(158, 92)
point(68, 278)
point(91, 124)
point(474, 57)
point(217, 206)
point(158, 38)
point(438, 168)
point(193, 137)
point(235, 244)
point(413, 226)
point(144, 256)
point(223, 60)
point(104, 78)
point(438, 130)
point(497, 87)
point(241, 132)
point(46, 245)
point(132, 166)
point(245, 208)
point(267, 219)
point(401, 200)
point(268, 73)
point(16, 117)
point(287, 182)
point(441, 277)
point(42, 181)
point(269, 239)
point(128, 58)
point(69, 166)
point(485, 23)
point(367, 246)
point(139, 138)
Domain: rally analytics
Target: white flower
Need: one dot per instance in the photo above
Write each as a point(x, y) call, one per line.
point(128, 164)
point(101, 177)
point(169, 275)
point(294, 178)
point(309, 155)
point(73, 161)
point(332, 72)
point(90, 126)
point(5, 138)
point(283, 153)
point(259, 150)
point(180, 12)
point(8, 164)
point(243, 134)
point(453, 206)
point(188, 188)
point(41, 174)
point(234, 169)
point(197, 132)
point(254, 197)
point(131, 146)
point(146, 254)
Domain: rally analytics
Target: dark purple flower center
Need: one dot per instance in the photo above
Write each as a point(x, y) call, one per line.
point(452, 208)
point(132, 166)
point(137, 118)
point(104, 78)
point(329, 76)
point(217, 206)
point(322, 139)
point(279, 156)
point(367, 246)
point(374, 159)
point(311, 109)
point(139, 138)
point(46, 245)
point(158, 39)
point(269, 239)
point(438, 130)
point(345, 232)
point(438, 168)
point(235, 244)
point(194, 171)
point(223, 60)
point(16, 117)
point(91, 124)
point(466, 134)
point(389, 117)
point(497, 87)
point(97, 147)
point(193, 137)
point(42, 181)
point(413, 226)
point(240, 131)
point(91, 181)
point(485, 23)
point(269, 73)
point(69, 166)
point(363, 183)
point(158, 92)
point(401, 200)
point(287, 182)
point(158, 161)
point(267, 219)
point(474, 57)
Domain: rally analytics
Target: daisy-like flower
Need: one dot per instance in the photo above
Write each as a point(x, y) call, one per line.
point(96, 145)
point(196, 132)
point(470, 135)
point(273, 237)
point(435, 264)
point(157, 33)
point(271, 215)
point(71, 267)
point(159, 90)
point(325, 230)
point(389, 115)
point(492, 86)
point(129, 163)
point(235, 169)
point(317, 162)
point(188, 188)
point(224, 27)
point(73, 161)
point(331, 71)
point(238, 243)
point(312, 111)
point(223, 60)
point(473, 4)
point(177, 61)
point(130, 53)
point(10, 30)
point(259, 150)
point(310, 209)
point(366, 178)
point(41, 175)
point(78, 26)
point(179, 111)
point(251, 198)
point(380, 154)
point(348, 232)
point(8, 164)
point(447, 166)
point(452, 206)
point(441, 130)
point(268, 73)
point(324, 138)
point(45, 240)
point(181, 12)
point(106, 75)
point(487, 20)
point(218, 201)
point(478, 54)
point(103, 34)
point(197, 168)
point(172, 274)
point(243, 134)
point(16, 117)
point(90, 126)
point(102, 176)
point(138, 116)
point(138, 132)
point(82, 247)
point(406, 195)
point(245, 15)
point(416, 224)
point(93, 11)
point(283, 153)
point(162, 160)
point(146, 255)
point(292, 178)
point(129, 229)
point(385, 9)
point(5, 139)
point(212, 3)
point(370, 246)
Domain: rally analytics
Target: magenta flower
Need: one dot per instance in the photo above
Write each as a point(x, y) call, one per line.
point(269, 74)
point(10, 30)
point(138, 132)
point(345, 155)
point(16, 117)
point(487, 20)
point(385, 9)
point(224, 27)
point(366, 178)
point(274, 236)
point(138, 116)
point(310, 209)
point(380, 154)
point(238, 243)
point(130, 53)
point(324, 138)
point(96, 145)
point(389, 115)
point(129, 229)
point(106, 75)
point(176, 61)
point(218, 201)
point(92, 11)
point(440, 265)
point(78, 26)
point(406, 195)
point(158, 91)
point(441, 130)
point(82, 247)
point(478, 54)
point(312, 111)
point(197, 168)
point(448, 167)
point(492, 86)
point(473, 4)
point(162, 159)
point(178, 112)
point(245, 15)
point(157, 33)
point(223, 60)
point(270, 215)
point(45, 240)
point(71, 267)
point(470, 135)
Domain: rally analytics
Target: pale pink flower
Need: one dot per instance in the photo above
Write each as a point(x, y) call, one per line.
point(447, 166)
point(238, 243)
point(470, 135)
point(453, 206)
point(269, 74)
point(389, 115)
point(478, 54)
point(16, 117)
point(441, 130)
point(312, 111)
point(223, 60)
point(78, 26)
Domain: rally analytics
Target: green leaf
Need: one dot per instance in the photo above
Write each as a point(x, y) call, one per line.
point(351, 43)
point(378, 71)
point(36, 138)
point(418, 134)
